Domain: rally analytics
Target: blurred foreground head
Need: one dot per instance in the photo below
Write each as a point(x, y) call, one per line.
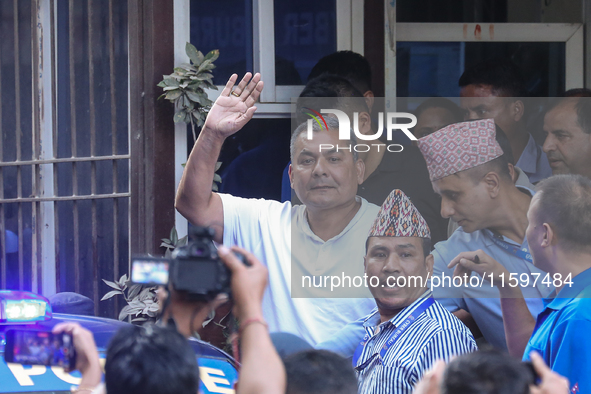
point(319, 372)
point(150, 360)
point(487, 372)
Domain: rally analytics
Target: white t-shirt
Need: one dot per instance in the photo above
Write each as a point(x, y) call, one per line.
point(268, 229)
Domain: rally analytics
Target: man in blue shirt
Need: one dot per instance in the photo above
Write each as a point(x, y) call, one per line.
point(409, 331)
point(559, 236)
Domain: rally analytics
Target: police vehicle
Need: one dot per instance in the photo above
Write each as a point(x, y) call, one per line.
point(26, 310)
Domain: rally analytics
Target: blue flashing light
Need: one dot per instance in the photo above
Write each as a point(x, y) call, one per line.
point(22, 307)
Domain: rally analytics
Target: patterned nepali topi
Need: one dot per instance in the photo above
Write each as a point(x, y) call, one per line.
point(459, 147)
point(398, 217)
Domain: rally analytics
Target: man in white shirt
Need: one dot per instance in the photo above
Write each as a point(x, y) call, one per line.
point(313, 251)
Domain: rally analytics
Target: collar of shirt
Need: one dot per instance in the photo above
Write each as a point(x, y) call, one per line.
point(490, 233)
point(308, 231)
point(373, 320)
point(567, 293)
point(529, 158)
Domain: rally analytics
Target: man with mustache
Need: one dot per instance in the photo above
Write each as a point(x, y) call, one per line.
point(568, 140)
point(320, 239)
point(409, 330)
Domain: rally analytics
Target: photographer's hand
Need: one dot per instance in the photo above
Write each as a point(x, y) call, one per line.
point(262, 369)
point(248, 283)
point(87, 357)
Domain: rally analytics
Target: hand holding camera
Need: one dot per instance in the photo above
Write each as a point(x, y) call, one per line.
point(248, 284)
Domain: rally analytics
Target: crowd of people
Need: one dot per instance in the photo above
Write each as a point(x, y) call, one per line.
point(460, 264)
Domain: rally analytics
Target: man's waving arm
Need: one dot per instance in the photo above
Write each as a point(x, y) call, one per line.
point(230, 112)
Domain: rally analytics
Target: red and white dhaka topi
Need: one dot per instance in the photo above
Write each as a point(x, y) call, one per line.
point(459, 147)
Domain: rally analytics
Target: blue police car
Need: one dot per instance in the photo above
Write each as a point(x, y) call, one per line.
point(25, 310)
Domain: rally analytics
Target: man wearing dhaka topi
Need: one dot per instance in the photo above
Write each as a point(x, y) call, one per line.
point(409, 330)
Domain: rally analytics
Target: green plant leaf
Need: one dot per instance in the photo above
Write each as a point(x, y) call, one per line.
point(210, 85)
point(197, 98)
point(114, 285)
point(146, 295)
point(212, 55)
point(183, 241)
point(173, 94)
point(133, 291)
point(110, 294)
point(171, 80)
point(174, 236)
point(179, 116)
point(124, 312)
point(195, 56)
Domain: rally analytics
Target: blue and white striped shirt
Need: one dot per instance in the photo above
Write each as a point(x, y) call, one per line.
point(435, 334)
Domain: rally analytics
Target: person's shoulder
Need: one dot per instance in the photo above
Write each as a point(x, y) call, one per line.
point(368, 207)
point(460, 240)
point(446, 320)
point(579, 308)
point(256, 207)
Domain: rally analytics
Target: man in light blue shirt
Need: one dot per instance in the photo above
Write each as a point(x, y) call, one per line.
point(559, 235)
point(470, 171)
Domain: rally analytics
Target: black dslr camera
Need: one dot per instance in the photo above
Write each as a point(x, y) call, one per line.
point(194, 268)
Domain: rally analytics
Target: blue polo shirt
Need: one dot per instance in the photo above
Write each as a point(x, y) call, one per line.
point(563, 333)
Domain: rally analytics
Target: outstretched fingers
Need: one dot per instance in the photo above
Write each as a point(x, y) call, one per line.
point(240, 88)
point(228, 88)
point(254, 94)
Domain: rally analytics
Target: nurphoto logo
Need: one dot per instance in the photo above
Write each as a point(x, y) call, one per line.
point(391, 119)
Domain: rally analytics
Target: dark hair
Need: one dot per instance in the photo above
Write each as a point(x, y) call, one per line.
point(347, 64)
point(440, 102)
point(336, 92)
point(504, 77)
point(578, 92)
point(500, 165)
point(565, 204)
point(150, 360)
point(582, 107)
point(319, 372)
point(486, 372)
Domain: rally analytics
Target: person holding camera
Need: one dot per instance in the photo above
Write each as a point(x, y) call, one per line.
point(158, 360)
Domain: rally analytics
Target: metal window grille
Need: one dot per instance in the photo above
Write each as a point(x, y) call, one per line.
point(64, 151)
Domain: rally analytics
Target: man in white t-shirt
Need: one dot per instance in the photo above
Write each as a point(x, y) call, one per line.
point(314, 252)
